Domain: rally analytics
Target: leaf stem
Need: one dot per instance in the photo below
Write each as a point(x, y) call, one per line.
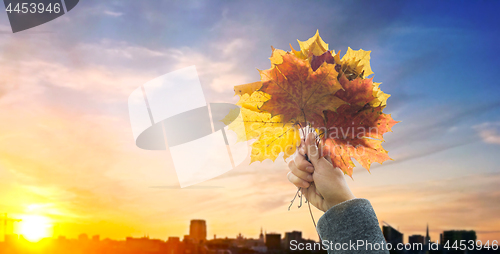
point(291, 202)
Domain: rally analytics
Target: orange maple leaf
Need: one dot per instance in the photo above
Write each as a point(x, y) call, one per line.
point(298, 93)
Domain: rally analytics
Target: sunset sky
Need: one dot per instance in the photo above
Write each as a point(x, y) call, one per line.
point(67, 152)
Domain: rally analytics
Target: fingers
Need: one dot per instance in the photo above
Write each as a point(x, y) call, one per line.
point(301, 162)
point(314, 197)
point(325, 155)
point(312, 149)
point(306, 176)
point(314, 154)
point(302, 149)
point(297, 181)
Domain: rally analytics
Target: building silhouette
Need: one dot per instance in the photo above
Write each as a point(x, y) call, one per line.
point(392, 235)
point(458, 235)
point(427, 239)
point(173, 245)
point(289, 236)
point(198, 231)
point(144, 243)
point(416, 239)
point(273, 241)
point(83, 237)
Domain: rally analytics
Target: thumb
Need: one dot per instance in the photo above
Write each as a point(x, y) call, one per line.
point(312, 149)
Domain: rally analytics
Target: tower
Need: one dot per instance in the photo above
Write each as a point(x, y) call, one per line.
point(198, 230)
point(427, 237)
point(261, 236)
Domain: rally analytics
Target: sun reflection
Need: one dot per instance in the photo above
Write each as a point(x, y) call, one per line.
point(35, 227)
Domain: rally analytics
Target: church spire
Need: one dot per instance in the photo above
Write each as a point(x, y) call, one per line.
point(427, 237)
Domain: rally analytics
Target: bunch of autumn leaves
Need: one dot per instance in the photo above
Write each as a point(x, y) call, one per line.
point(314, 89)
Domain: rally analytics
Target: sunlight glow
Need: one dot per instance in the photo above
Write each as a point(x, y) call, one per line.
point(35, 227)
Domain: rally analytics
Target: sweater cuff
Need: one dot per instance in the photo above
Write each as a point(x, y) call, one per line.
point(350, 217)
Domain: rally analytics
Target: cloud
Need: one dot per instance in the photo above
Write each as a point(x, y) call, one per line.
point(426, 134)
point(219, 69)
point(489, 132)
point(5, 88)
point(227, 81)
point(440, 203)
point(108, 70)
point(67, 141)
point(113, 14)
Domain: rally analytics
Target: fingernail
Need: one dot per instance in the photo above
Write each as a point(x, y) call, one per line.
point(310, 178)
point(310, 169)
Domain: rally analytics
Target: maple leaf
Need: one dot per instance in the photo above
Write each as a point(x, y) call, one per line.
point(356, 130)
point(365, 151)
point(298, 93)
point(273, 136)
point(244, 122)
point(352, 67)
point(276, 56)
point(380, 97)
point(356, 63)
point(247, 88)
point(275, 140)
point(327, 57)
point(314, 46)
point(357, 92)
point(253, 101)
point(249, 124)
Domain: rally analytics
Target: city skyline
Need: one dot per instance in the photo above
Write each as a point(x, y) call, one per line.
point(197, 230)
point(196, 242)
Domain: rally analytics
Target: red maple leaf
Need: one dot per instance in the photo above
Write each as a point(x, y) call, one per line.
point(356, 129)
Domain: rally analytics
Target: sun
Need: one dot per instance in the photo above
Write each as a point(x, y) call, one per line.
point(35, 227)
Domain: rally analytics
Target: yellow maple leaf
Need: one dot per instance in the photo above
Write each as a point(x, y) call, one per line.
point(356, 63)
point(275, 140)
point(249, 122)
point(253, 101)
point(273, 136)
point(313, 46)
point(380, 97)
point(277, 56)
point(247, 88)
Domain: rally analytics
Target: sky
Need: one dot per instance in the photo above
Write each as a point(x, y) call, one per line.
point(67, 151)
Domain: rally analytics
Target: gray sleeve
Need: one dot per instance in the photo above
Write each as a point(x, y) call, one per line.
point(351, 227)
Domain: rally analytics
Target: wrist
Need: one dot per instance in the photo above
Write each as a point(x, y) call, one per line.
point(331, 203)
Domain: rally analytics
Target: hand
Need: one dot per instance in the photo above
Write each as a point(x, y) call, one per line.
point(322, 184)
